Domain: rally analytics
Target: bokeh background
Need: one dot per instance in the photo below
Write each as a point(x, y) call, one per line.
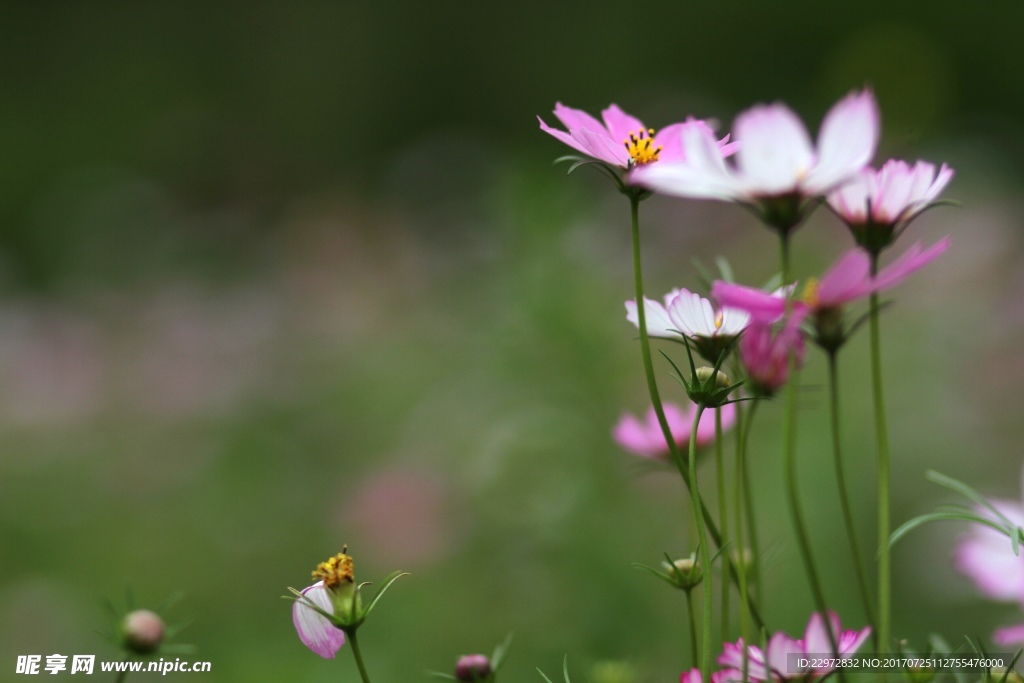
point(276, 277)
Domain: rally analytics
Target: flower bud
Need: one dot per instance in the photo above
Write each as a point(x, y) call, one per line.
point(142, 631)
point(339, 579)
point(685, 573)
point(704, 374)
point(472, 668)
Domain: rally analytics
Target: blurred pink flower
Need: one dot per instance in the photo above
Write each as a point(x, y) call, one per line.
point(1010, 636)
point(765, 355)
point(816, 642)
point(623, 140)
point(986, 557)
point(315, 631)
point(848, 279)
point(647, 440)
point(775, 157)
point(891, 195)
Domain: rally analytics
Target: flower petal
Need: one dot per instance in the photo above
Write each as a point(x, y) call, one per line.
point(620, 124)
point(848, 279)
point(908, 263)
point(564, 137)
point(574, 119)
point(700, 174)
point(316, 632)
point(846, 142)
point(775, 151)
point(656, 317)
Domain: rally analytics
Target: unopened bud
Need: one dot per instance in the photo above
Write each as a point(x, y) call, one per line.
point(685, 573)
point(704, 374)
point(142, 631)
point(472, 668)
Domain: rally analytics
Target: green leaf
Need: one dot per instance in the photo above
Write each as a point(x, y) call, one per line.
point(725, 269)
point(498, 658)
point(912, 524)
point(664, 577)
point(388, 580)
point(565, 669)
point(543, 675)
point(438, 674)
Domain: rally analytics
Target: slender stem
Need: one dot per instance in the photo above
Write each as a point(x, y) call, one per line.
point(844, 498)
point(354, 642)
point(789, 444)
point(784, 257)
point(748, 504)
point(739, 489)
point(705, 555)
point(723, 518)
point(652, 387)
point(693, 627)
point(882, 435)
point(122, 676)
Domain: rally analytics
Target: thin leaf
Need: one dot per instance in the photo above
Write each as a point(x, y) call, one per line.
point(388, 580)
point(170, 601)
point(498, 658)
point(543, 675)
point(912, 524)
point(438, 674)
point(565, 669)
point(725, 269)
point(654, 571)
point(966, 491)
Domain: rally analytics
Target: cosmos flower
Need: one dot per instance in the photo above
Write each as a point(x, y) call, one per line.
point(775, 155)
point(623, 140)
point(765, 353)
point(772, 663)
point(647, 440)
point(315, 631)
point(847, 280)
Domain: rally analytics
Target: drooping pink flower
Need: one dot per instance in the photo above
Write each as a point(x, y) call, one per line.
point(775, 156)
point(647, 440)
point(623, 140)
point(847, 280)
point(765, 353)
point(773, 664)
point(315, 631)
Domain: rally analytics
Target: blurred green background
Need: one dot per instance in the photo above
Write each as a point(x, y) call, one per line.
point(276, 277)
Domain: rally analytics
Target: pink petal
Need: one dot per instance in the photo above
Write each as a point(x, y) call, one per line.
point(816, 637)
point(1011, 636)
point(574, 119)
point(848, 279)
point(986, 557)
point(850, 641)
point(780, 646)
point(912, 260)
point(600, 146)
point(846, 142)
point(691, 676)
point(762, 306)
point(316, 632)
point(701, 174)
point(563, 137)
point(620, 124)
point(775, 151)
point(850, 201)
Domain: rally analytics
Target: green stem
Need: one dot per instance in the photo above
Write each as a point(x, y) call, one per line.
point(693, 627)
point(723, 517)
point(705, 555)
point(749, 510)
point(739, 501)
point(844, 498)
point(789, 444)
point(121, 676)
point(652, 387)
point(784, 257)
point(882, 435)
point(354, 642)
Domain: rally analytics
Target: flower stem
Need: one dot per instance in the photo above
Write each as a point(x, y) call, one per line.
point(705, 555)
point(359, 657)
point(122, 676)
point(789, 445)
point(652, 387)
point(741, 498)
point(693, 627)
point(844, 498)
point(882, 435)
point(723, 518)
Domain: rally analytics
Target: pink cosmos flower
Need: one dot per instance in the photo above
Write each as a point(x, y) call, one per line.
point(765, 354)
point(773, 664)
point(1011, 636)
point(986, 557)
point(848, 279)
point(775, 157)
point(623, 140)
point(878, 205)
point(315, 631)
point(647, 440)
point(894, 194)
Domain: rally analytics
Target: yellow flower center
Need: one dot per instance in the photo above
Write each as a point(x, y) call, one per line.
point(336, 570)
point(641, 148)
point(719, 319)
point(810, 296)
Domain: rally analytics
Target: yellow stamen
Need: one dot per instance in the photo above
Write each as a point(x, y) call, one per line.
point(640, 148)
point(336, 570)
point(810, 296)
point(719, 319)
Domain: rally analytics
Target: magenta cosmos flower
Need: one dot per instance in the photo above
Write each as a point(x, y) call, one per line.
point(847, 280)
point(772, 663)
point(765, 353)
point(985, 555)
point(878, 205)
point(647, 440)
point(623, 140)
point(777, 167)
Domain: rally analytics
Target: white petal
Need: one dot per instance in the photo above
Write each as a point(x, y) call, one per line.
point(775, 150)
